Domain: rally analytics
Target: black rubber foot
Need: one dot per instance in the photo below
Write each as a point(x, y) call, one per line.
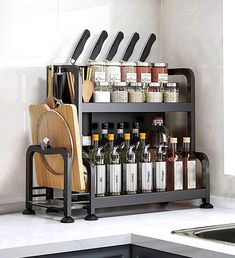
point(49, 210)
point(206, 205)
point(91, 217)
point(163, 204)
point(28, 211)
point(67, 220)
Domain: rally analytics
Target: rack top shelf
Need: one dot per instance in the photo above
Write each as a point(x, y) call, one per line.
point(136, 107)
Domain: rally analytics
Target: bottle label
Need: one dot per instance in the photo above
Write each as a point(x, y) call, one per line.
point(160, 175)
point(100, 180)
point(145, 77)
point(178, 175)
point(115, 77)
point(131, 77)
point(99, 77)
point(130, 177)
point(191, 165)
point(163, 77)
point(114, 174)
point(146, 176)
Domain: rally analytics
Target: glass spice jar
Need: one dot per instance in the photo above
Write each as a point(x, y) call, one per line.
point(101, 92)
point(97, 70)
point(143, 70)
point(113, 71)
point(154, 92)
point(160, 72)
point(171, 92)
point(119, 92)
point(136, 92)
point(128, 71)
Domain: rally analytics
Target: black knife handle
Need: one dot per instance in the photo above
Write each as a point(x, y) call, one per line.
point(103, 36)
point(80, 46)
point(115, 45)
point(147, 47)
point(131, 46)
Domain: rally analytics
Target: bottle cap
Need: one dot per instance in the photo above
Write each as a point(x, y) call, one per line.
point(110, 136)
point(95, 137)
point(186, 139)
point(142, 136)
point(158, 119)
point(173, 140)
point(127, 136)
point(105, 126)
point(86, 140)
point(135, 125)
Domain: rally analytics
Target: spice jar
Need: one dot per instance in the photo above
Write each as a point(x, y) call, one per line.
point(136, 92)
point(101, 92)
point(160, 72)
point(128, 72)
point(97, 70)
point(113, 71)
point(171, 92)
point(143, 70)
point(154, 92)
point(119, 92)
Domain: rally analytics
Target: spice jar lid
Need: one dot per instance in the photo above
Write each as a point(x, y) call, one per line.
point(112, 63)
point(160, 64)
point(155, 84)
point(171, 84)
point(128, 63)
point(139, 63)
point(173, 140)
point(99, 83)
point(136, 84)
point(186, 139)
point(94, 62)
point(124, 84)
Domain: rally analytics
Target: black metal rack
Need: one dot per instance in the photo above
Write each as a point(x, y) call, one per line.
point(89, 113)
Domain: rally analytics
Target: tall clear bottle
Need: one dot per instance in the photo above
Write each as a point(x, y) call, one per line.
point(135, 139)
point(120, 135)
point(100, 173)
point(174, 167)
point(189, 164)
point(104, 135)
point(160, 171)
point(94, 146)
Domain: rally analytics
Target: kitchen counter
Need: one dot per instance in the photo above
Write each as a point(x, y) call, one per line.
point(23, 236)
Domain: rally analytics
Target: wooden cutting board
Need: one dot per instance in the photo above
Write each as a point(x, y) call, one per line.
point(54, 124)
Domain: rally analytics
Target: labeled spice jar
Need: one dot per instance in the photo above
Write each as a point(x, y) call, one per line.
point(97, 70)
point(171, 92)
point(160, 72)
point(128, 72)
point(101, 92)
point(143, 70)
point(119, 92)
point(154, 92)
point(136, 92)
point(113, 71)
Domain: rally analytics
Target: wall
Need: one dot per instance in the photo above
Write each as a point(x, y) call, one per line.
point(193, 37)
point(37, 33)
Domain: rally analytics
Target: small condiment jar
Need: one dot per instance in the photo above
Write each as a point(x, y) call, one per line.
point(128, 71)
point(97, 70)
point(171, 92)
point(160, 72)
point(113, 71)
point(154, 92)
point(136, 92)
point(101, 92)
point(143, 70)
point(119, 92)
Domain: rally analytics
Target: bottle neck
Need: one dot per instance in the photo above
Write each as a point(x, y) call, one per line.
point(173, 149)
point(186, 146)
point(142, 143)
point(111, 144)
point(95, 144)
point(127, 144)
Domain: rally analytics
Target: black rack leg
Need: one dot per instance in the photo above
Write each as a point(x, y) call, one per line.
point(29, 182)
point(206, 204)
point(50, 196)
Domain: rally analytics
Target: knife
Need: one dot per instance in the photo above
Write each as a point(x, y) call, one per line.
point(131, 46)
point(80, 46)
point(103, 36)
point(113, 50)
point(147, 47)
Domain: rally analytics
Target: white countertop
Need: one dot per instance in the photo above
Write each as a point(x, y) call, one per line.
point(22, 235)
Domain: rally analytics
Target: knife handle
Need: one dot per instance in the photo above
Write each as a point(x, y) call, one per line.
point(103, 36)
point(115, 45)
point(147, 47)
point(80, 46)
point(131, 46)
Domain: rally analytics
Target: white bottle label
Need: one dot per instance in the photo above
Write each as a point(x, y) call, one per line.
point(99, 76)
point(100, 180)
point(160, 175)
point(131, 77)
point(191, 174)
point(130, 177)
point(178, 175)
point(114, 173)
point(145, 77)
point(146, 170)
point(115, 77)
point(163, 77)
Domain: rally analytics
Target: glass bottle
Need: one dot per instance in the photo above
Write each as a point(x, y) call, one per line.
point(108, 148)
point(189, 164)
point(135, 139)
point(120, 135)
point(94, 146)
point(100, 173)
point(160, 171)
point(174, 167)
point(104, 135)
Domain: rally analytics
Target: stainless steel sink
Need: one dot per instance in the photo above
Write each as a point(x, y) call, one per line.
point(222, 233)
